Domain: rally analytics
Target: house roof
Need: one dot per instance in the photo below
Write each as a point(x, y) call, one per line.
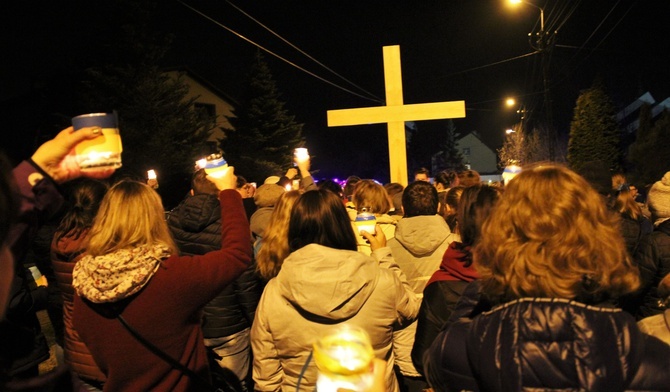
point(198, 78)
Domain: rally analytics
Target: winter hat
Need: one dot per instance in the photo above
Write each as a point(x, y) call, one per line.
point(271, 180)
point(597, 175)
point(267, 195)
point(658, 199)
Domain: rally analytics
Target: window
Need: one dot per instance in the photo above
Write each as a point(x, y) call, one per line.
point(466, 151)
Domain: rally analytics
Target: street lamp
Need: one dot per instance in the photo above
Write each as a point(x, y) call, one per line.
point(540, 40)
point(509, 131)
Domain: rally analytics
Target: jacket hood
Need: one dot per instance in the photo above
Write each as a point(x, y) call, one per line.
point(197, 212)
point(421, 235)
point(453, 265)
point(327, 283)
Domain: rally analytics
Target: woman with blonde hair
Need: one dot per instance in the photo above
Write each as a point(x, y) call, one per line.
point(133, 275)
point(274, 246)
point(372, 197)
point(550, 261)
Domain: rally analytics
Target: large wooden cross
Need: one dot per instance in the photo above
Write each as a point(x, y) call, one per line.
point(395, 114)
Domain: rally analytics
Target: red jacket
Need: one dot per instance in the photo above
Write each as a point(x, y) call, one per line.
point(167, 313)
point(64, 254)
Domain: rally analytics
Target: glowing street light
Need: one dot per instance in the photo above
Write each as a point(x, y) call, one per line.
point(509, 102)
point(517, 2)
point(509, 131)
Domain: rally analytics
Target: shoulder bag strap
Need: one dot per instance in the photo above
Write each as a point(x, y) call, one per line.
point(199, 380)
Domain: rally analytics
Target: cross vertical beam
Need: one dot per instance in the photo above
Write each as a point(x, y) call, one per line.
point(395, 113)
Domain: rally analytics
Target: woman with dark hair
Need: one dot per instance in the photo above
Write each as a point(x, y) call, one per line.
point(325, 282)
point(444, 181)
point(447, 284)
point(66, 249)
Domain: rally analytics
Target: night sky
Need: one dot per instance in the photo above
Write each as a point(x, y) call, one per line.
point(447, 51)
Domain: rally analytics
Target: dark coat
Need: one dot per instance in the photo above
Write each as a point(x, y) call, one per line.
point(543, 344)
point(653, 260)
point(196, 228)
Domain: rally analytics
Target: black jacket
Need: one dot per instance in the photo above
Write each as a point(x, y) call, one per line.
point(653, 260)
point(547, 344)
point(196, 227)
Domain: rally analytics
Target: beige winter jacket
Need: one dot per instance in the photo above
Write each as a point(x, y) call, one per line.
point(319, 287)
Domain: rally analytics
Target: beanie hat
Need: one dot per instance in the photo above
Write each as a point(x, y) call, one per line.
point(597, 175)
point(658, 199)
point(272, 180)
point(267, 195)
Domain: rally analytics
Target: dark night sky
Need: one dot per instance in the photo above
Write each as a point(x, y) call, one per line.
point(443, 44)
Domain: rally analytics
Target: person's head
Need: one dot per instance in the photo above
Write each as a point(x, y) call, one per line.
point(393, 187)
point(372, 196)
point(469, 178)
point(85, 197)
point(618, 180)
point(319, 217)
point(267, 195)
point(332, 186)
point(419, 198)
point(201, 185)
point(664, 291)
point(624, 203)
point(598, 175)
point(9, 207)
point(552, 236)
point(349, 186)
point(658, 199)
point(475, 205)
point(275, 242)
point(422, 174)
point(453, 198)
point(445, 180)
point(131, 214)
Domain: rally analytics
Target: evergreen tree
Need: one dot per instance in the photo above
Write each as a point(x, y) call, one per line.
point(449, 157)
point(594, 134)
point(264, 135)
point(159, 127)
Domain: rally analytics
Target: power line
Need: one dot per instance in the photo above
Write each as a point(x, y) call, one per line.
point(303, 52)
point(274, 54)
point(488, 65)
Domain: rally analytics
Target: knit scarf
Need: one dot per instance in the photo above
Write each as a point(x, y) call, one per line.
point(117, 275)
point(453, 265)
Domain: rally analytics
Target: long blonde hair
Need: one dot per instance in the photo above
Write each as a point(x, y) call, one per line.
point(551, 235)
point(131, 214)
point(275, 247)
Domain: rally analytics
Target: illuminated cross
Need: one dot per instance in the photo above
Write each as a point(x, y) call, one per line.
point(395, 114)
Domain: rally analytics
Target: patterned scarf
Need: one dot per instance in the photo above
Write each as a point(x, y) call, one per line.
point(118, 275)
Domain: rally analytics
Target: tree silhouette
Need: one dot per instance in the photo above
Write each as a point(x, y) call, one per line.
point(594, 134)
point(264, 135)
point(159, 127)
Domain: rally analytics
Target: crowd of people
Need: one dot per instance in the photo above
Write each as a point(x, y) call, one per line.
point(556, 280)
